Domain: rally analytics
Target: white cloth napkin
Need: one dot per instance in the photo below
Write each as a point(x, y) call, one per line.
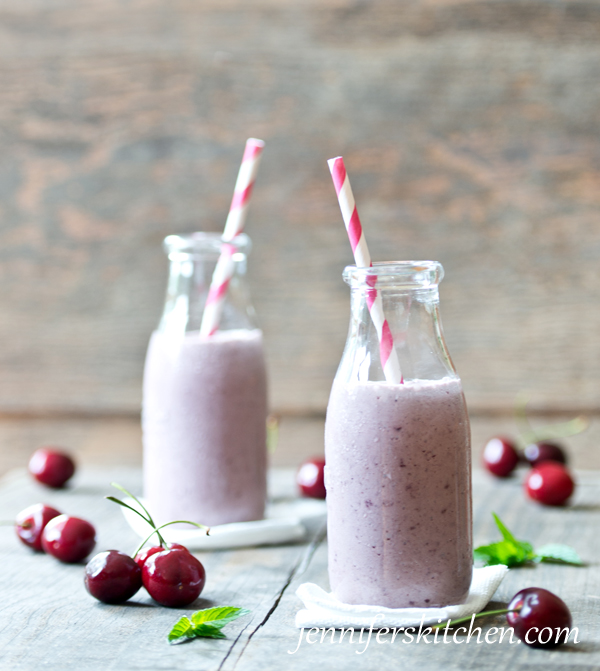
point(324, 610)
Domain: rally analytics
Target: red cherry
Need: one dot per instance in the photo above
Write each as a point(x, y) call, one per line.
point(51, 467)
point(174, 578)
point(537, 453)
point(112, 577)
point(142, 555)
point(69, 539)
point(540, 618)
point(311, 478)
point(500, 457)
point(549, 483)
point(30, 523)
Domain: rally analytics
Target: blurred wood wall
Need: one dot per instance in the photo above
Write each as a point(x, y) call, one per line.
point(471, 131)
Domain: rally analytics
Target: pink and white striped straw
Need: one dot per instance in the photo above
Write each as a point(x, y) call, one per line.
point(233, 227)
point(387, 351)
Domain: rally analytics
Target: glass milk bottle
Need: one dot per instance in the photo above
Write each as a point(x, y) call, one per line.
point(398, 472)
point(205, 396)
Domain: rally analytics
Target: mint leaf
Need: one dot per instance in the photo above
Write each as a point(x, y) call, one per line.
point(523, 551)
point(490, 555)
point(509, 551)
point(558, 554)
point(513, 552)
point(504, 552)
point(508, 537)
point(182, 629)
point(206, 631)
point(206, 623)
point(218, 617)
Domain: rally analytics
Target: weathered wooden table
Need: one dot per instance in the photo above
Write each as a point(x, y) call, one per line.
point(48, 621)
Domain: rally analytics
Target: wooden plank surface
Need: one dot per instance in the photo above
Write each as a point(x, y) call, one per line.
point(470, 129)
point(48, 620)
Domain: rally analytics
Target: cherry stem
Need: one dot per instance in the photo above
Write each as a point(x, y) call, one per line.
point(272, 433)
point(468, 618)
point(550, 431)
point(137, 512)
point(147, 518)
point(200, 526)
point(135, 498)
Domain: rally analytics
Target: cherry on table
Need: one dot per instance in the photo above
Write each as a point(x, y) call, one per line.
point(51, 466)
point(311, 478)
point(30, 523)
point(549, 483)
point(537, 453)
point(141, 557)
point(500, 456)
point(173, 578)
point(112, 577)
point(69, 539)
point(539, 618)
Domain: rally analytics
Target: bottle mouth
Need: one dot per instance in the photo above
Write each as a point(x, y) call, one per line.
point(203, 244)
point(396, 274)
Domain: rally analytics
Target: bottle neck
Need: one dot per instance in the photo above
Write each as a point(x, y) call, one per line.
point(193, 260)
point(413, 318)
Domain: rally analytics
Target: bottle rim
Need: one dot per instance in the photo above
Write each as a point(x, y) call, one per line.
point(203, 243)
point(396, 274)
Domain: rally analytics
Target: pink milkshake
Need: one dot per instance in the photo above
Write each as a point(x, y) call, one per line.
point(398, 484)
point(204, 423)
point(398, 474)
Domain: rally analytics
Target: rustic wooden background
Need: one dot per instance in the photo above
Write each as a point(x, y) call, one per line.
point(471, 130)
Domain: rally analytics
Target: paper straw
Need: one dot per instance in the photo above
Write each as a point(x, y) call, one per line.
point(387, 351)
point(233, 227)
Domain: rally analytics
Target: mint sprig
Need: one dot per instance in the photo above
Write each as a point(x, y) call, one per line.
point(513, 552)
point(205, 623)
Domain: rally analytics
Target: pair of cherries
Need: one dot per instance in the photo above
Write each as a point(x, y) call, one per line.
point(172, 575)
point(45, 529)
point(549, 481)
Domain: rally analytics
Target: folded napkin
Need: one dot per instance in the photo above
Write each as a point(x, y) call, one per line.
point(324, 610)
